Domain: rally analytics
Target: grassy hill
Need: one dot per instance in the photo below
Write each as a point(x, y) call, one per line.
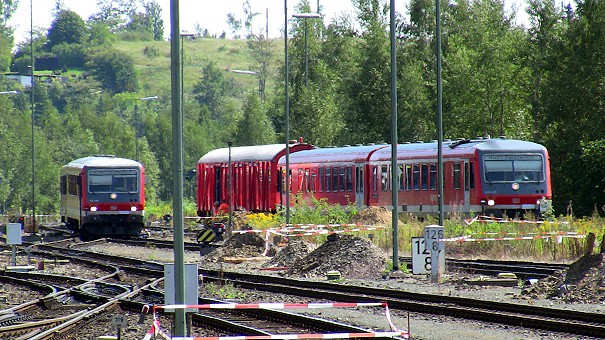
point(228, 55)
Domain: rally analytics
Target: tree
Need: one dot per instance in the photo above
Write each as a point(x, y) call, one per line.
point(7, 9)
point(68, 27)
point(115, 70)
point(114, 13)
point(255, 127)
point(234, 24)
point(211, 89)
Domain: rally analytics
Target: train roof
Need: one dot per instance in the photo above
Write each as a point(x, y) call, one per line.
point(251, 153)
point(460, 147)
point(358, 153)
point(102, 161)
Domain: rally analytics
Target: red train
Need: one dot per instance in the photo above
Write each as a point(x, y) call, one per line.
point(502, 177)
point(256, 180)
point(103, 196)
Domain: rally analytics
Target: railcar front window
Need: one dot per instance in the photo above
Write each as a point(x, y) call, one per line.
point(112, 181)
point(513, 168)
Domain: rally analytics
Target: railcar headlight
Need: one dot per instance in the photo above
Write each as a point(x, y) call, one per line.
point(133, 208)
point(113, 196)
point(515, 186)
point(491, 203)
point(93, 208)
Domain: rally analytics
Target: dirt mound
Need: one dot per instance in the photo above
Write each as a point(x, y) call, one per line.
point(296, 250)
point(352, 256)
point(241, 245)
point(373, 216)
point(582, 282)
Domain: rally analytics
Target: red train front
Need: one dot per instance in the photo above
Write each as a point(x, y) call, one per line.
point(103, 196)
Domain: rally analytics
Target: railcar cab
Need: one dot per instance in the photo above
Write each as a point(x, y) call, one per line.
point(515, 178)
point(103, 196)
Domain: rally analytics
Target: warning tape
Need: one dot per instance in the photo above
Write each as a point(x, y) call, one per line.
point(490, 219)
point(303, 336)
point(273, 305)
point(515, 238)
point(394, 331)
point(317, 226)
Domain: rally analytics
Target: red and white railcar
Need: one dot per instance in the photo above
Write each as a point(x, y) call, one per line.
point(103, 196)
point(493, 176)
point(256, 180)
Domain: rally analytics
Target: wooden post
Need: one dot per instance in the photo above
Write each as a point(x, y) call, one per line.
point(589, 244)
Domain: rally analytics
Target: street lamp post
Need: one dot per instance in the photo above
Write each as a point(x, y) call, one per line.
point(138, 125)
point(230, 188)
point(261, 90)
point(306, 16)
point(183, 35)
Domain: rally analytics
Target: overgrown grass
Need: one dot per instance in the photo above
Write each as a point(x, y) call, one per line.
point(545, 241)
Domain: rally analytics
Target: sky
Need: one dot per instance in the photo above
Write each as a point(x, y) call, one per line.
point(207, 14)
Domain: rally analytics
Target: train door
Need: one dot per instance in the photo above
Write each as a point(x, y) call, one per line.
point(218, 184)
point(359, 186)
point(467, 186)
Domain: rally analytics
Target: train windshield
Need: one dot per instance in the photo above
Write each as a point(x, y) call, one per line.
point(503, 168)
point(113, 181)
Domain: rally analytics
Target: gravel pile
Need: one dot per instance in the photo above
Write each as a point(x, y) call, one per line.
point(351, 256)
point(582, 282)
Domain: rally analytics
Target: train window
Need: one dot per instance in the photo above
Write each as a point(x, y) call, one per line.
point(374, 178)
point(328, 179)
point(433, 179)
point(416, 177)
point(401, 174)
point(114, 181)
point(307, 181)
point(335, 179)
point(72, 185)
point(313, 180)
point(280, 181)
point(342, 178)
point(349, 179)
point(513, 168)
point(408, 177)
point(301, 179)
point(471, 175)
point(456, 174)
point(321, 179)
point(384, 178)
point(63, 184)
point(424, 174)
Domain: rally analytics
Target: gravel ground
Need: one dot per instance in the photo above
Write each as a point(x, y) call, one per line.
point(308, 263)
point(420, 326)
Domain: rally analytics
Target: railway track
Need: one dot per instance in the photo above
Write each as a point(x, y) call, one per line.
point(531, 317)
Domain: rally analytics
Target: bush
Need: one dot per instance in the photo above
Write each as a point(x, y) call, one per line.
point(151, 51)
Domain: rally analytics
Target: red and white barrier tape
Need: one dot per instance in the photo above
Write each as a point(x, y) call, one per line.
point(490, 219)
point(303, 336)
point(273, 305)
point(395, 332)
point(514, 238)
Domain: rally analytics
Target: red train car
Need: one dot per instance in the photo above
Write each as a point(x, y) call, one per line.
point(256, 180)
point(492, 176)
point(103, 196)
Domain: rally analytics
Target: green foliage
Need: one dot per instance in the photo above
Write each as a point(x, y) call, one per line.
point(255, 127)
point(319, 212)
point(116, 71)
point(67, 28)
point(70, 55)
point(151, 51)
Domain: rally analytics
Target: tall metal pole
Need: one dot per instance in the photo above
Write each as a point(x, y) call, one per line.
point(306, 54)
point(439, 112)
point(230, 188)
point(31, 43)
point(180, 325)
point(394, 167)
point(287, 132)
point(138, 132)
